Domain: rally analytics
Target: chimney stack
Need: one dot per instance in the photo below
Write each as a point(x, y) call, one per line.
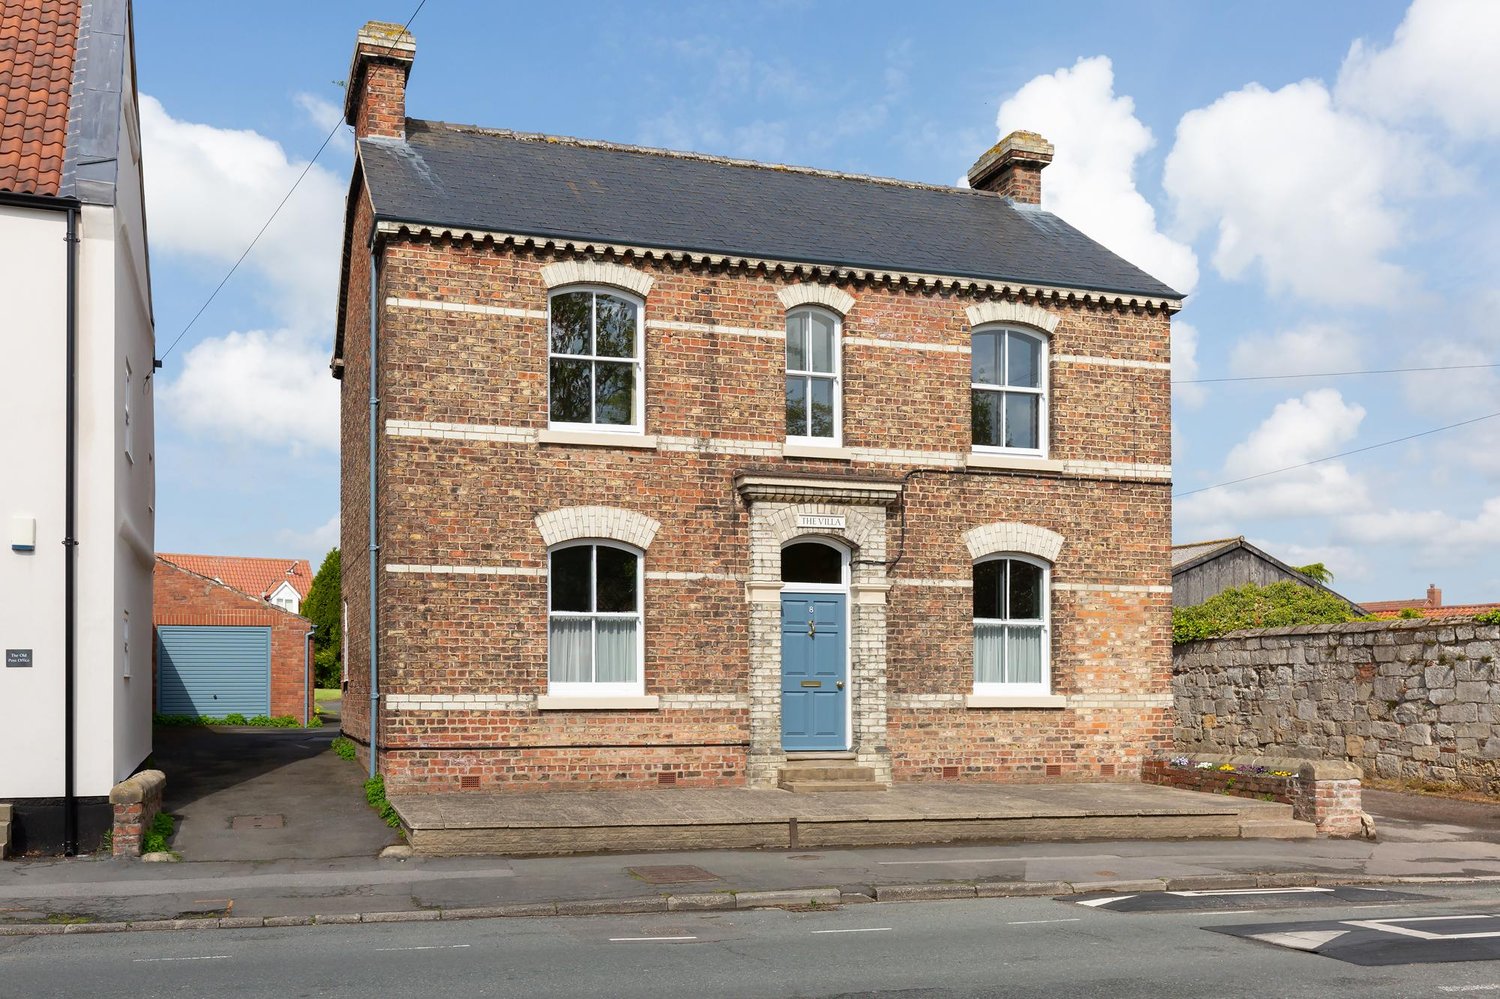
point(1012, 167)
point(1434, 595)
point(375, 95)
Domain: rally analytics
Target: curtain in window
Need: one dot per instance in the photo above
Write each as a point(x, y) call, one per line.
point(616, 648)
point(569, 650)
point(1023, 647)
point(989, 653)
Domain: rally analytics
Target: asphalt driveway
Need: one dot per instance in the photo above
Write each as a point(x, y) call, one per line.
point(265, 794)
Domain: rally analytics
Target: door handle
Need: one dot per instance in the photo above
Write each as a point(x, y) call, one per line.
point(839, 684)
point(812, 629)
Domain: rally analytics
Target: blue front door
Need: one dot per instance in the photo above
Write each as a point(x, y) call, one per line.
point(814, 672)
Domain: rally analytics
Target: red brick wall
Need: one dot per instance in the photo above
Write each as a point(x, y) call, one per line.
point(464, 502)
point(184, 598)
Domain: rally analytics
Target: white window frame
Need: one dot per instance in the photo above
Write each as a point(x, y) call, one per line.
point(637, 688)
point(1043, 688)
point(1044, 391)
point(837, 377)
point(637, 362)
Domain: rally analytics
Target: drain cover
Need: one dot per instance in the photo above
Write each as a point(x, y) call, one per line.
point(258, 822)
point(671, 874)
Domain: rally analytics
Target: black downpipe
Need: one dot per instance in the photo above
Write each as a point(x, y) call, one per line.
point(70, 546)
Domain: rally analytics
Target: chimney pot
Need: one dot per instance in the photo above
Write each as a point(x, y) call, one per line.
point(1434, 595)
point(1012, 167)
point(375, 95)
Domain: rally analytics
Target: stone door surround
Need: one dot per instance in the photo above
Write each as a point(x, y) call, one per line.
point(853, 512)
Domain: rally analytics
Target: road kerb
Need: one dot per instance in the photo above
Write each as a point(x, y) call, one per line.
point(922, 893)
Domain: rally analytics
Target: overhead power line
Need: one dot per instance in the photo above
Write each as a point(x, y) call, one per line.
point(274, 212)
point(1341, 454)
point(1330, 374)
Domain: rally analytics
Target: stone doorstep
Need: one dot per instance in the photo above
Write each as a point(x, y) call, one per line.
point(725, 901)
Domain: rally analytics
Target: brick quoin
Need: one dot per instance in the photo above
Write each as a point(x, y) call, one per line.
point(186, 598)
point(471, 501)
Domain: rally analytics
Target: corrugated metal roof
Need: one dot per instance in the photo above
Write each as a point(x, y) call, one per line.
point(455, 176)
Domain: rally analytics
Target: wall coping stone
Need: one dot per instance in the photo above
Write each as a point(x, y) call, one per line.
point(133, 790)
point(1348, 627)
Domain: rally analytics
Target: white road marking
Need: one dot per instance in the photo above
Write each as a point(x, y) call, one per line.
point(1250, 891)
point(859, 929)
point(206, 957)
point(1388, 926)
point(428, 947)
point(646, 939)
point(1308, 940)
point(1096, 902)
point(1033, 922)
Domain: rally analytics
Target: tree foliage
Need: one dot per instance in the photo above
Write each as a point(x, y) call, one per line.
point(1318, 572)
point(324, 608)
point(1280, 605)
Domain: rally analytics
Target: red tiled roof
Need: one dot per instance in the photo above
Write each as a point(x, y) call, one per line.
point(38, 39)
point(1385, 610)
point(258, 577)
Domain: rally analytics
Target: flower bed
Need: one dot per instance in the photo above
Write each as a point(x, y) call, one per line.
point(1241, 780)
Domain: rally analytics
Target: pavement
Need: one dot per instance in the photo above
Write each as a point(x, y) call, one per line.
point(327, 861)
point(256, 794)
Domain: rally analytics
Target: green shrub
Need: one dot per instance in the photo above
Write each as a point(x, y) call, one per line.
point(344, 748)
point(155, 840)
point(235, 719)
point(1489, 617)
point(1317, 571)
point(1280, 605)
point(1409, 614)
point(259, 721)
point(375, 795)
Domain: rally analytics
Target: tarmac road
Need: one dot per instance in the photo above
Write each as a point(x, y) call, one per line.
point(996, 947)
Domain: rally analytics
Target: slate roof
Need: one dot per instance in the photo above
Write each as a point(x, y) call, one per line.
point(258, 577)
point(1183, 554)
point(463, 177)
point(38, 41)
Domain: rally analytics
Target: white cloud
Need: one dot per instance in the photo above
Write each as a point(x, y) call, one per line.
point(1441, 64)
point(1348, 564)
point(1311, 348)
point(1185, 365)
point(1290, 184)
point(208, 191)
point(313, 543)
point(1091, 182)
point(269, 387)
point(1311, 426)
point(1454, 394)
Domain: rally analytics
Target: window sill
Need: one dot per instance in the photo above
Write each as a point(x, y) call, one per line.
point(596, 438)
point(554, 702)
point(1018, 462)
point(793, 449)
point(1032, 702)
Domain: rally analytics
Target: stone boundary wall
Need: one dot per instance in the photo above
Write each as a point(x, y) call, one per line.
point(1323, 792)
point(1399, 699)
point(136, 801)
point(1219, 782)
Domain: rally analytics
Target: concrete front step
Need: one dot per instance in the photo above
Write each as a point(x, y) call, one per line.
point(4, 839)
point(1262, 828)
point(825, 771)
point(806, 786)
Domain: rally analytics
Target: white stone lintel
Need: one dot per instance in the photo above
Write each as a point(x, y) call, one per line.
point(553, 702)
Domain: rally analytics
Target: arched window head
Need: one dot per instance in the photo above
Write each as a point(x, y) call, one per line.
point(814, 390)
point(1011, 626)
point(1008, 391)
point(594, 364)
point(594, 641)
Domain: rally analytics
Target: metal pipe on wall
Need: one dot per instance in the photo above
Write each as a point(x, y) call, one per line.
point(374, 537)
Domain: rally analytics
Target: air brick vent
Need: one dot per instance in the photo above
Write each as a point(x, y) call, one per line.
point(666, 779)
point(950, 771)
point(468, 782)
point(1054, 770)
point(1106, 770)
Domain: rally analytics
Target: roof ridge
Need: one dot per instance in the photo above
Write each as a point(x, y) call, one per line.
point(624, 147)
point(1210, 541)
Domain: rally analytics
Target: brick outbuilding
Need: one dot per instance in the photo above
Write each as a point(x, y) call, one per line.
point(225, 651)
point(695, 471)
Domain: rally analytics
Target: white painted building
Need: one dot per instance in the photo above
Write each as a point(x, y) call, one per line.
point(94, 187)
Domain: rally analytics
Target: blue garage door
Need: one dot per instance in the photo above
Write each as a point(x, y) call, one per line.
point(214, 671)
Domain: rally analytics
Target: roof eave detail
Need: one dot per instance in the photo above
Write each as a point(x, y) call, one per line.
point(389, 226)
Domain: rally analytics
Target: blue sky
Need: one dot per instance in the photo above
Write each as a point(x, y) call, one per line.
point(1316, 175)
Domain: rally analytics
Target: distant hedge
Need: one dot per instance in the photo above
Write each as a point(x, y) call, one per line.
point(1279, 605)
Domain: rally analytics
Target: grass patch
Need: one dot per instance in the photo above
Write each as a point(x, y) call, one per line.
point(327, 694)
point(155, 840)
point(375, 795)
point(344, 748)
point(69, 918)
point(258, 721)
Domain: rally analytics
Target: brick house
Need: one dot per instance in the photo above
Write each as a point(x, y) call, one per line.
point(219, 650)
point(696, 471)
point(284, 582)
